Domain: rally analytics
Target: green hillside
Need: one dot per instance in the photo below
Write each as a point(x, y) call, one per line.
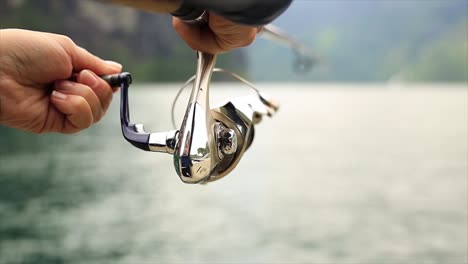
point(371, 41)
point(357, 41)
point(144, 43)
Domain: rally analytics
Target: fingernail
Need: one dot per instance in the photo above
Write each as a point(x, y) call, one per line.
point(114, 64)
point(89, 79)
point(59, 95)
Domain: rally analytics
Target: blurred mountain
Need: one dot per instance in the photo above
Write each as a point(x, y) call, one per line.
point(362, 40)
point(371, 41)
point(144, 43)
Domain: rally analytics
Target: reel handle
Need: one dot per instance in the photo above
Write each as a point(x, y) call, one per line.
point(135, 133)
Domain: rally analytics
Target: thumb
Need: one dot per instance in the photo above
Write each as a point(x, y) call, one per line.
point(82, 59)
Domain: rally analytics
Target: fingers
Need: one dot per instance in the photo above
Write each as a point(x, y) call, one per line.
point(82, 59)
point(83, 102)
point(196, 37)
point(100, 87)
point(231, 35)
point(77, 111)
point(220, 36)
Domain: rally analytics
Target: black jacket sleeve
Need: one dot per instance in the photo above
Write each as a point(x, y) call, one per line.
point(248, 12)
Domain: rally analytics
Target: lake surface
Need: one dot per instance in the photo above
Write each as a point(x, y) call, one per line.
point(342, 174)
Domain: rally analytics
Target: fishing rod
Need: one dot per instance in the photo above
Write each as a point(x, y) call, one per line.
point(304, 60)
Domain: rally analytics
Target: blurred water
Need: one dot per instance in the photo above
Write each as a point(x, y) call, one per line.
point(342, 174)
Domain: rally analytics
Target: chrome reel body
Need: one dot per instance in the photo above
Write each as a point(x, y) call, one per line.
point(210, 141)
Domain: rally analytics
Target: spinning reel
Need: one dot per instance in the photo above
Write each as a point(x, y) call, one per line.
point(210, 141)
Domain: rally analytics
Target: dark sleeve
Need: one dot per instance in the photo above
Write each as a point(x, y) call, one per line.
point(249, 12)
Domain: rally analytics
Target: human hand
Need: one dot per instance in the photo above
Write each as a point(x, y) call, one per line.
point(35, 92)
point(219, 36)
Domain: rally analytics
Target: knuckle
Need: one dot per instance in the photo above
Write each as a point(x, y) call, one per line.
point(66, 41)
point(225, 44)
point(195, 46)
point(231, 42)
point(251, 39)
point(66, 69)
point(99, 118)
point(68, 49)
point(248, 39)
point(88, 123)
point(98, 115)
point(90, 107)
point(88, 93)
point(176, 24)
point(108, 96)
point(84, 111)
point(104, 93)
